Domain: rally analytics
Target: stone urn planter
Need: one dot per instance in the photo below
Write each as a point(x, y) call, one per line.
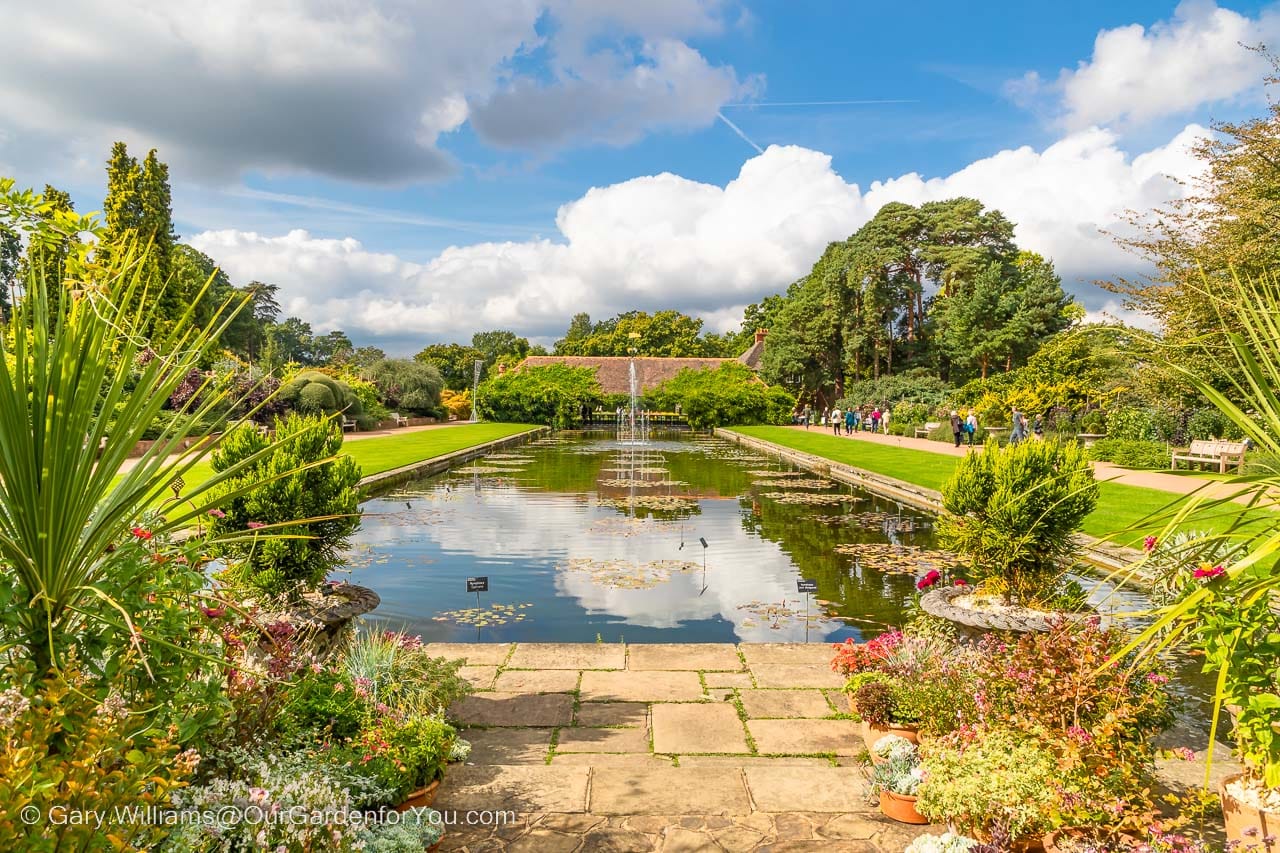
point(900, 807)
point(1248, 823)
point(320, 619)
point(942, 603)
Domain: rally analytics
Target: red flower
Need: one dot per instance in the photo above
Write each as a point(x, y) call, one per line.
point(960, 582)
point(141, 533)
point(213, 612)
point(1149, 544)
point(929, 579)
point(1208, 573)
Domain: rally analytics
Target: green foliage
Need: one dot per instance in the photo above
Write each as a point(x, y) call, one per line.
point(1142, 423)
point(554, 395)
point(322, 705)
point(1001, 779)
point(1013, 510)
point(668, 334)
point(455, 362)
point(1207, 424)
point(499, 345)
point(730, 394)
point(399, 673)
point(407, 386)
point(1150, 455)
point(316, 393)
point(414, 832)
point(902, 392)
point(291, 556)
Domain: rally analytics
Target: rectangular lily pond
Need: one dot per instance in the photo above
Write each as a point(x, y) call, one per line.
point(581, 536)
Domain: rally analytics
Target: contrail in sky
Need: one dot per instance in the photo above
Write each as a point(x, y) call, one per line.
point(825, 103)
point(738, 130)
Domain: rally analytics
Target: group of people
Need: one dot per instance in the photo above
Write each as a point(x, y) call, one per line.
point(963, 427)
point(850, 420)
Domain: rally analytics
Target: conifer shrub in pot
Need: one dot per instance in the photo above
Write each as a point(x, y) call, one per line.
point(1014, 511)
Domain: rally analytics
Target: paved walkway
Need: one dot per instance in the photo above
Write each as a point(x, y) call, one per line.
point(680, 747)
point(1180, 484)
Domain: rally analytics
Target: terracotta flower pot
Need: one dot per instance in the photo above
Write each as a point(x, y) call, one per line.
point(871, 734)
point(421, 798)
point(1241, 818)
point(900, 807)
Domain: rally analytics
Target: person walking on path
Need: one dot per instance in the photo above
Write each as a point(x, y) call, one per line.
point(837, 420)
point(971, 425)
point(884, 420)
point(875, 419)
point(1037, 428)
point(956, 426)
point(1018, 426)
point(808, 415)
point(849, 421)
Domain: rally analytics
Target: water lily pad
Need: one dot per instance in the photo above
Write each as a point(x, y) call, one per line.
point(494, 614)
point(814, 499)
point(811, 483)
point(626, 574)
point(901, 559)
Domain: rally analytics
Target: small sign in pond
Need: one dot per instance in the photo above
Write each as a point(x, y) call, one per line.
point(806, 585)
point(481, 584)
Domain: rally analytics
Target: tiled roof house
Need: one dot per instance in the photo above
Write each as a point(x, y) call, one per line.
point(614, 376)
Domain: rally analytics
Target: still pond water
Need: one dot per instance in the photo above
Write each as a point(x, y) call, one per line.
point(583, 539)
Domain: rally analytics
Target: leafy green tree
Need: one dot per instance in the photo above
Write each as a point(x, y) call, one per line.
point(291, 341)
point(499, 344)
point(139, 204)
point(665, 334)
point(312, 512)
point(731, 394)
point(555, 395)
point(331, 347)
point(407, 385)
point(48, 258)
point(579, 329)
point(367, 356)
point(455, 362)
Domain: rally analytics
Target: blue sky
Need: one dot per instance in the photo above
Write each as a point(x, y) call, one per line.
point(415, 171)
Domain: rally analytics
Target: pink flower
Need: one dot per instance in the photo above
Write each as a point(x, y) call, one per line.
point(929, 579)
point(217, 513)
point(1208, 573)
point(214, 612)
point(254, 525)
point(1184, 753)
point(1157, 678)
point(1149, 544)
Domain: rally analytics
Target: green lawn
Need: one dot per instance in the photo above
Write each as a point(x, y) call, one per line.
point(1118, 517)
point(384, 453)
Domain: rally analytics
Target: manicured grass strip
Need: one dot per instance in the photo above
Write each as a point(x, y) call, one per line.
point(387, 452)
point(1120, 507)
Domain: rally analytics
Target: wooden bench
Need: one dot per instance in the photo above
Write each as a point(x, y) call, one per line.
point(1223, 453)
point(400, 421)
point(348, 425)
point(923, 431)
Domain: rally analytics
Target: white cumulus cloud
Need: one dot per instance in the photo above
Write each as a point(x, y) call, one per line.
point(1137, 74)
point(665, 241)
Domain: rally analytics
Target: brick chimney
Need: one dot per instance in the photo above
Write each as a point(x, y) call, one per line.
point(760, 335)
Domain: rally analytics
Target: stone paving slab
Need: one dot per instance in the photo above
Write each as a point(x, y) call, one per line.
point(537, 681)
point(635, 761)
point(479, 677)
point(807, 737)
point(523, 789)
point(641, 686)
point(698, 728)
point(812, 654)
point(796, 675)
point(751, 761)
point(667, 791)
point(513, 709)
point(603, 740)
point(569, 656)
point(613, 714)
point(475, 654)
point(728, 679)
point(840, 790)
point(785, 703)
point(508, 746)
point(679, 656)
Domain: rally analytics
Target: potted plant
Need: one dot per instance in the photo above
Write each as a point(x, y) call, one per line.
point(895, 782)
point(1014, 511)
point(873, 701)
point(947, 842)
point(891, 747)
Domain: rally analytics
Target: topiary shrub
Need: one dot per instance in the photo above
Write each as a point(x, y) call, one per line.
point(327, 492)
point(312, 392)
point(1013, 510)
